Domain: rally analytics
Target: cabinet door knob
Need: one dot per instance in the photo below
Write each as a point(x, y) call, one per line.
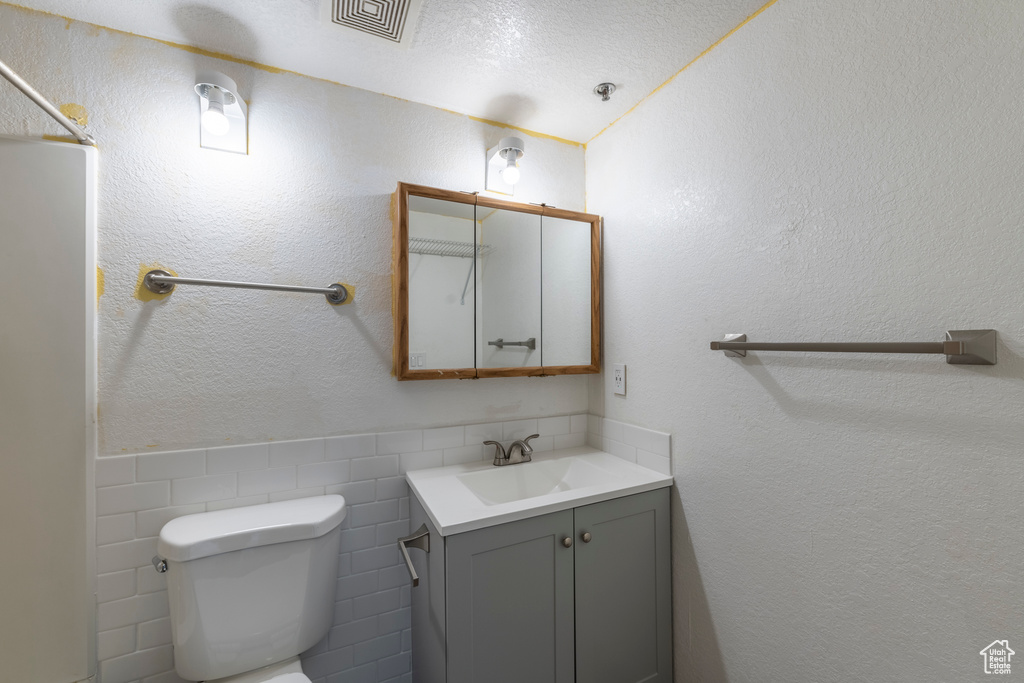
point(567, 542)
point(586, 536)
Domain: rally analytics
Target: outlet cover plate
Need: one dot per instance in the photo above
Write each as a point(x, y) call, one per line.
point(619, 378)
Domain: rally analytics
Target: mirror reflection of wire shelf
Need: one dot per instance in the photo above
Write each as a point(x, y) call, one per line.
point(431, 247)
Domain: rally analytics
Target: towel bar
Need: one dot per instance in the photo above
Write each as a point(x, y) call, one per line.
point(961, 347)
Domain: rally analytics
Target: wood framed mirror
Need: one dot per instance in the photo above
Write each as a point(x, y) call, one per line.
point(484, 287)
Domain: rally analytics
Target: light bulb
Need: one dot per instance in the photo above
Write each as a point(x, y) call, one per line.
point(510, 174)
point(213, 119)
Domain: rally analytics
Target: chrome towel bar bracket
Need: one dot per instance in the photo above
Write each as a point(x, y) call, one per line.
point(162, 282)
point(961, 347)
point(47, 106)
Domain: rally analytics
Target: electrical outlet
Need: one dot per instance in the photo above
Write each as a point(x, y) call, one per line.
point(417, 360)
point(619, 378)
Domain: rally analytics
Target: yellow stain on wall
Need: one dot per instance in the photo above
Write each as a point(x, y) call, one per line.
point(531, 133)
point(141, 292)
point(76, 113)
point(220, 55)
point(351, 289)
point(61, 138)
point(100, 285)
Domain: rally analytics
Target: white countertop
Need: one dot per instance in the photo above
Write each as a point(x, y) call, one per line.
point(590, 476)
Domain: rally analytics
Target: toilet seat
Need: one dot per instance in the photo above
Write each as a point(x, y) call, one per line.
point(283, 678)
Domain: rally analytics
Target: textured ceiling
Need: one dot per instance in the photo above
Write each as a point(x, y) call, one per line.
point(528, 63)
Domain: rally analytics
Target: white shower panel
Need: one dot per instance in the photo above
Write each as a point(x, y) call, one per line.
point(47, 409)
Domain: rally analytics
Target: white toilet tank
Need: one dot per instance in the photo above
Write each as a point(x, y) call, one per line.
point(252, 586)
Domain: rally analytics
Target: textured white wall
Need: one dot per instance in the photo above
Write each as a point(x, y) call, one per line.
point(833, 171)
point(309, 205)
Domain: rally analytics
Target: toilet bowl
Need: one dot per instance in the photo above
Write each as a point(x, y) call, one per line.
point(288, 671)
point(251, 588)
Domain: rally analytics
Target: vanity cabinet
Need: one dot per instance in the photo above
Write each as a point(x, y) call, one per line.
point(576, 595)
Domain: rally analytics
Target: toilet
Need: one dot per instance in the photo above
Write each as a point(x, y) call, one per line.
point(251, 588)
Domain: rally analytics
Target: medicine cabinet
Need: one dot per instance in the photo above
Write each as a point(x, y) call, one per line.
point(491, 288)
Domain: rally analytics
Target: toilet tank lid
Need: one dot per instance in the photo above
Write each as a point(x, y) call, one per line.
point(211, 533)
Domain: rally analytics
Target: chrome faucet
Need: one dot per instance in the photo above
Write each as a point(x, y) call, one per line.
point(518, 452)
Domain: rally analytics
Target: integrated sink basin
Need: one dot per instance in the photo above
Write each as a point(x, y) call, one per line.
point(531, 479)
point(475, 495)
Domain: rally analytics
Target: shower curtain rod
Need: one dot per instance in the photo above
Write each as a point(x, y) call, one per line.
point(45, 104)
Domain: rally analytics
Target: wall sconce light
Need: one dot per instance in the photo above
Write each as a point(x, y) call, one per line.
point(502, 165)
point(222, 114)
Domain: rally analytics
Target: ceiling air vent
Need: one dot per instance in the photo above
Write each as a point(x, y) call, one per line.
point(392, 20)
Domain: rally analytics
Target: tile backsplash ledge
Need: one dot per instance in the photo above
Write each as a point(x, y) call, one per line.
point(645, 447)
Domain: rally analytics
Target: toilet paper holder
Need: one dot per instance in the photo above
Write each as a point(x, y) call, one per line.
point(419, 539)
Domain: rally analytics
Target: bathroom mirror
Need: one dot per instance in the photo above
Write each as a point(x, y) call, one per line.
point(490, 288)
point(510, 311)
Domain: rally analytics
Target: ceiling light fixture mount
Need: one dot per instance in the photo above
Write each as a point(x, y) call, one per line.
point(605, 90)
point(222, 115)
point(503, 165)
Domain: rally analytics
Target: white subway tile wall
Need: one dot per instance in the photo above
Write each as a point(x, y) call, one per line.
point(237, 458)
point(645, 447)
point(371, 639)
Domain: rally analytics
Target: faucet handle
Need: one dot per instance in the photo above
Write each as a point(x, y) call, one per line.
point(525, 449)
point(499, 452)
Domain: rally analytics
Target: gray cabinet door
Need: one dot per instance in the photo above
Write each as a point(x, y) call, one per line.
point(510, 603)
point(623, 591)
point(428, 603)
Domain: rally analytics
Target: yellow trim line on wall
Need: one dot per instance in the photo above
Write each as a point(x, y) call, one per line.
point(498, 124)
point(275, 70)
point(691, 63)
